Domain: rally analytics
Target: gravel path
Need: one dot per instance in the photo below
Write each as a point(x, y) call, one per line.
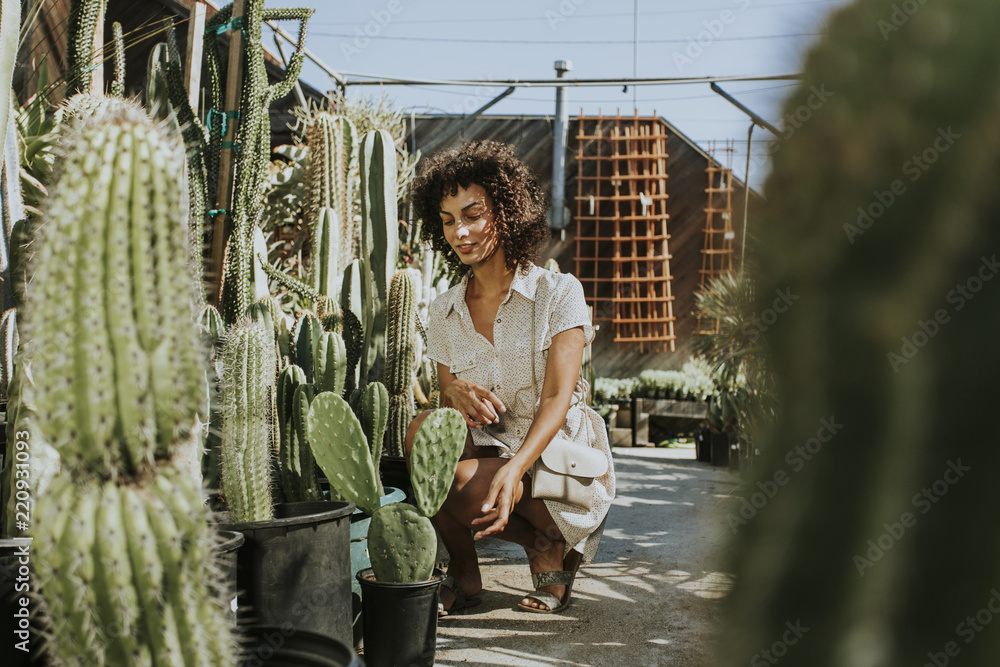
point(648, 599)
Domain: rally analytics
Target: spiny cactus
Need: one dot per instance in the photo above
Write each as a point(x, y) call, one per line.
point(83, 18)
point(328, 312)
point(330, 198)
point(118, 83)
point(398, 376)
point(298, 467)
point(379, 235)
point(104, 396)
point(881, 220)
point(305, 338)
point(402, 544)
point(136, 559)
point(122, 540)
point(247, 382)
point(353, 342)
point(8, 348)
point(330, 363)
point(434, 457)
point(338, 443)
point(374, 417)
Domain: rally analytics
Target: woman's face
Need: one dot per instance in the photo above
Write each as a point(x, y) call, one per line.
point(467, 220)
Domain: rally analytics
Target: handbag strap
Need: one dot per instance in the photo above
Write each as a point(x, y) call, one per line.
point(534, 379)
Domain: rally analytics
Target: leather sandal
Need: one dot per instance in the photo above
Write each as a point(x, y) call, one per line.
point(551, 578)
point(461, 599)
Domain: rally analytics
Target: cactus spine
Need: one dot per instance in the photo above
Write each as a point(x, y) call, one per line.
point(402, 320)
point(330, 198)
point(121, 537)
point(247, 381)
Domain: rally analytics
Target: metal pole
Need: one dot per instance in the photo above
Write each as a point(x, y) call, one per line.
point(557, 217)
point(746, 197)
point(635, 55)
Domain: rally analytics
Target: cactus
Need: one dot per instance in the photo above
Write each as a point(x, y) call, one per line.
point(298, 467)
point(398, 376)
point(83, 18)
point(8, 342)
point(374, 417)
point(132, 314)
point(330, 363)
point(328, 312)
point(211, 322)
point(401, 540)
point(118, 83)
point(434, 458)
point(402, 544)
point(353, 341)
point(122, 541)
point(330, 198)
point(247, 381)
point(379, 237)
point(132, 558)
point(880, 217)
point(305, 338)
point(340, 449)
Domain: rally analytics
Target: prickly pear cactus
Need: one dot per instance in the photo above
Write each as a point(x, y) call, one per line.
point(880, 222)
point(119, 377)
point(339, 446)
point(402, 544)
point(437, 446)
point(247, 382)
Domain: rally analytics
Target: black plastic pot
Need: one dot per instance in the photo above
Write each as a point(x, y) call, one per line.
point(225, 556)
point(15, 562)
point(359, 552)
point(271, 646)
point(394, 473)
point(296, 568)
point(400, 621)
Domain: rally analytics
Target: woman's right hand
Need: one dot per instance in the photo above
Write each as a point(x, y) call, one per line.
point(478, 405)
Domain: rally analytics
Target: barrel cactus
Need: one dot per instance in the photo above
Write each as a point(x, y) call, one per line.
point(881, 219)
point(122, 540)
point(248, 363)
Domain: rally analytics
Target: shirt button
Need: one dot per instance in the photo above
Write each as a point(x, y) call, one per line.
point(498, 320)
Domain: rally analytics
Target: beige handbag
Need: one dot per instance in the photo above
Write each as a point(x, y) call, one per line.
point(566, 470)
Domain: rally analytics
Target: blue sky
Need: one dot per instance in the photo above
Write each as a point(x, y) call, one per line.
point(521, 39)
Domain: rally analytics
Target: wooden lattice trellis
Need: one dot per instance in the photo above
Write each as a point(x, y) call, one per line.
point(622, 251)
point(717, 253)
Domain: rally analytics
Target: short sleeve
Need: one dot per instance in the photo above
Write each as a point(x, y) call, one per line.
point(568, 309)
point(437, 338)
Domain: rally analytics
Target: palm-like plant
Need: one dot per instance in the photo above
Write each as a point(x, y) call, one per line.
point(737, 355)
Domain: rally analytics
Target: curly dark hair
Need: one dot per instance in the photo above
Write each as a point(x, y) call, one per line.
point(519, 204)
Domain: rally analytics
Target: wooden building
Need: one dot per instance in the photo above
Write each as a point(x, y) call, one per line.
point(652, 216)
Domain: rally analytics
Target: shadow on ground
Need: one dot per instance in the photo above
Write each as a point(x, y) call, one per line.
point(649, 598)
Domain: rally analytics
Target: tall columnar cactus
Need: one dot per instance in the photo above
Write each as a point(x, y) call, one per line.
point(298, 467)
point(374, 418)
point(328, 312)
point(338, 443)
point(401, 540)
point(305, 339)
point(330, 363)
point(379, 234)
point(330, 198)
point(119, 375)
point(121, 538)
point(398, 376)
point(83, 18)
point(357, 304)
point(253, 133)
point(247, 383)
point(881, 221)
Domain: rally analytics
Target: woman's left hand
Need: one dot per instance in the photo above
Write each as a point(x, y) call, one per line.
point(500, 501)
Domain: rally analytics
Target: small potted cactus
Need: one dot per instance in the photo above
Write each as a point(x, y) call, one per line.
point(399, 591)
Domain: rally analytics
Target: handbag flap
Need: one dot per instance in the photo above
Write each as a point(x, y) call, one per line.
point(569, 458)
